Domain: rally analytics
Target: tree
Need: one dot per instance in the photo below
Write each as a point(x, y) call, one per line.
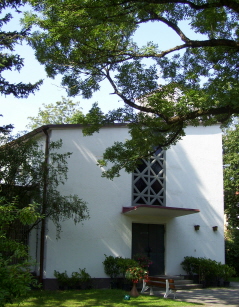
point(232, 248)
point(61, 112)
point(91, 41)
point(10, 61)
point(15, 278)
point(27, 174)
point(231, 175)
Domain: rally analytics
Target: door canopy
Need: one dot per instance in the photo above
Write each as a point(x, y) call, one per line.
point(160, 211)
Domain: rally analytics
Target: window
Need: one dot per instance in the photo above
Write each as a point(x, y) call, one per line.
point(148, 181)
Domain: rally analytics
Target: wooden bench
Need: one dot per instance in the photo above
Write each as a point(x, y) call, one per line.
point(159, 282)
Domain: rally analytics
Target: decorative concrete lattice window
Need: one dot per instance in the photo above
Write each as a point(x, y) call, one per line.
point(148, 181)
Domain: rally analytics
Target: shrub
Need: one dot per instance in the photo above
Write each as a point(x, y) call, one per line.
point(77, 279)
point(15, 281)
point(111, 266)
point(62, 278)
point(85, 279)
point(125, 263)
point(226, 272)
point(116, 267)
point(208, 270)
point(190, 265)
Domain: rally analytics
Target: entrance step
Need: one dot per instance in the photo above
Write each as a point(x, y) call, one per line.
point(187, 286)
point(182, 283)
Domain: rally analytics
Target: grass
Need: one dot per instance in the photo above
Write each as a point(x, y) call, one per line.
point(94, 298)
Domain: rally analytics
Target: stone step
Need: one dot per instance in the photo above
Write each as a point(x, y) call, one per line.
point(188, 286)
point(175, 277)
point(182, 283)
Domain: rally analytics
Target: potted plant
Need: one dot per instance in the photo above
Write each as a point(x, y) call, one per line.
point(135, 274)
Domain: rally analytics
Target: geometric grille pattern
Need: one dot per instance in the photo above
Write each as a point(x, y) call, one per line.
point(148, 181)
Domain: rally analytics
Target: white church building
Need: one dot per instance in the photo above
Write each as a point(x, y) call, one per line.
point(167, 209)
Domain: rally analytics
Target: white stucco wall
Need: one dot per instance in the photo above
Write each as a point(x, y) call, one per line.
point(107, 231)
point(193, 180)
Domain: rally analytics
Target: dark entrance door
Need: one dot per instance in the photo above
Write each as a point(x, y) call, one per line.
point(148, 239)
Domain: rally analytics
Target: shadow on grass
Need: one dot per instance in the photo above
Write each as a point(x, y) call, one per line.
point(94, 298)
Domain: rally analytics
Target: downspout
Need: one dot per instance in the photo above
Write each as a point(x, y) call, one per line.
point(44, 206)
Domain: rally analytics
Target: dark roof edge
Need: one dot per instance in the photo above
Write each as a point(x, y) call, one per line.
point(64, 126)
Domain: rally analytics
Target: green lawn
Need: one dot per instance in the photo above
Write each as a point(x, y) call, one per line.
point(96, 298)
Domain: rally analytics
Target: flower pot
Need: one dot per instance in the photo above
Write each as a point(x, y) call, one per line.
point(134, 292)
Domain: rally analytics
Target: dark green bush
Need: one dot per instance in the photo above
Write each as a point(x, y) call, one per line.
point(125, 263)
point(190, 265)
point(209, 271)
point(16, 281)
point(111, 266)
point(116, 267)
point(62, 278)
point(75, 281)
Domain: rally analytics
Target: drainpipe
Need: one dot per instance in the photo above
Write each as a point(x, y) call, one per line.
point(44, 206)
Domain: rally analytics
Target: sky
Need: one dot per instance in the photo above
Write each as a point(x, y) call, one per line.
point(16, 111)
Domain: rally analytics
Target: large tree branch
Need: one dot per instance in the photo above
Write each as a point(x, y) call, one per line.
point(232, 4)
point(189, 42)
point(194, 114)
point(228, 111)
point(130, 102)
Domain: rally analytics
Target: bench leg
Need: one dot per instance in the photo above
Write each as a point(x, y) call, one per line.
point(151, 292)
point(167, 291)
point(145, 287)
point(170, 291)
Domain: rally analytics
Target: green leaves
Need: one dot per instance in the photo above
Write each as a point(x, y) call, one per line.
point(133, 80)
point(195, 81)
point(10, 61)
point(59, 113)
point(15, 279)
point(24, 174)
point(231, 175)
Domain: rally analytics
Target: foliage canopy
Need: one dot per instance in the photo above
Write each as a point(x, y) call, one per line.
point(90, 41)
point(61, 112)
point(231, 175)
point(9, 60)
